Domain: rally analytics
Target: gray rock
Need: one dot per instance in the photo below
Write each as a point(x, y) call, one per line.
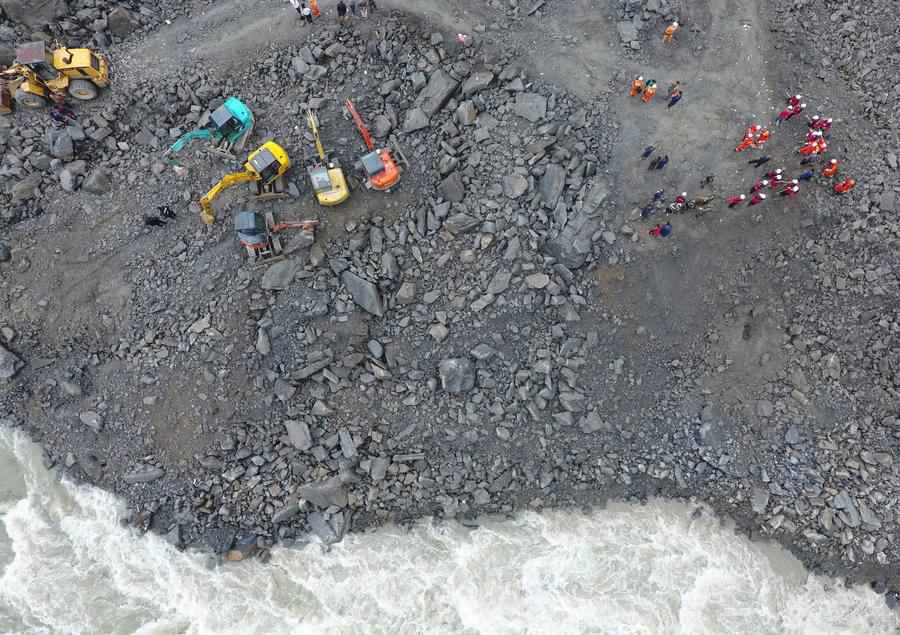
point(97, 182)
point(461, 224)
point(437, 92)
point(5, 252)
point(365, 293)
point(593, 422)
point(764, 408)
point(551, 185)
point(298, 433)
point(263, 344)
point(406, 294)
point(120, 22)
point(457, 375)
point(453, 188)
point(531, 106)
point(846, 509)
point(92, 420)
point(627, 31)
point(26, 188)
point(284, 390)
point(759, 500)
point(60, 144)
point(67, 180)
point(868, 517)
point(381, 126)
point(280, 275)
point(415, 119)
point(792, 435)
point(379, 468)
point(537, 280)
point(466, 113)
point(299, 65)
point(514, 185)
point(143, 474)
point(499, 282)
point(320, 527)
point(34, 14)
point(325, 493)
point(286, 513)
point(482, 352)
point(10, 364)
point(476, 82)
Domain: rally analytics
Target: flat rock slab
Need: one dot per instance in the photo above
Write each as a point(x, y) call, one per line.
point(280, 275)
point(437, 92)
point(453, 188)
point(365, 293)
point(143, 474)
point(298, 433)
point(415, 119)
point(325, 493)
point(552, 184)
point(477, 82)
point(461, 224)
point(514, 185)
point(531, 106)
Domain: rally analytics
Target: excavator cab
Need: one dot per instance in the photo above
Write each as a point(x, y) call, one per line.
point(37, 57)
point(257, 233)
point(228, 128)
point(265, 166)
point(327, 178)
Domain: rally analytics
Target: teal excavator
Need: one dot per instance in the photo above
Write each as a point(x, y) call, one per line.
point(228, 128)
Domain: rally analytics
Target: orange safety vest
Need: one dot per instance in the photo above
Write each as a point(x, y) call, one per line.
point(636, 87)
point(830, 170)
point(649, 93)
point(670, 30)
point(314, 7)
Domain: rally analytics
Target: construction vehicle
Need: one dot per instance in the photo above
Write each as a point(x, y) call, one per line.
point(327, 178)
point(39, 71)
point(228, 128)
point(265, 166)
point(382, 172)
point(258, 233)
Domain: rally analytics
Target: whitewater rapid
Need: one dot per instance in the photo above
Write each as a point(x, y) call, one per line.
point(67, 566)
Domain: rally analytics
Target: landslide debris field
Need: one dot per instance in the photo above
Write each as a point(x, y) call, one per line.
point(497, 333)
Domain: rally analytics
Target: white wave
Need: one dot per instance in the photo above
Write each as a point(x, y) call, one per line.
point(625, 570)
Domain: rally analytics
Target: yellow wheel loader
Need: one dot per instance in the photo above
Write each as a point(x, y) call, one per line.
point(265, 166)
point(39, 71)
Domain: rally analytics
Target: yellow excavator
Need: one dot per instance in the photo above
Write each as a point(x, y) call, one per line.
point(39, 71)
point(326, 176)
point(265, 165)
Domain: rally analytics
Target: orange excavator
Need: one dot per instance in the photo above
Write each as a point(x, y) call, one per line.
point(258, 233)
point(382, 172)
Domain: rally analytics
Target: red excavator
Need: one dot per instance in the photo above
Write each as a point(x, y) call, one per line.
point(382, 172)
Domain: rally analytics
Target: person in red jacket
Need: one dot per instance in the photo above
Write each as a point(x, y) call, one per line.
point(790, 191)
point(831, 169)
point(844, 186)
point(759, 197)
point(776, 182)
point(736, 200)
point(794, 100)
point(773, 173)
point(796, 110)
point(784, 115)
point(759, 185)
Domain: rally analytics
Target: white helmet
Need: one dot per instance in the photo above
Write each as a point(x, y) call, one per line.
point(765, 181)
point(797, 97)
point(834, 161)
point(684, 193)
point(796, 188)
point(803, 105)
point(743, 196)
point(794, 181)
point(640, 78)
point(762, 195)
point(779, 171)
point(675, 23)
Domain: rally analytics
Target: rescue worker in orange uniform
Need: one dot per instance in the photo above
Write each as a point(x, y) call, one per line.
point(844, 186)
point(314, 7)
point(649, 92)
point(831, 169)
point(669, 32)
point(762, 138)
point(637, 87)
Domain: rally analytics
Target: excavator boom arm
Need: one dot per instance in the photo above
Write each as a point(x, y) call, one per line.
point(367, 138)
point(206, 210)
point(183, 140)
point(313, 124)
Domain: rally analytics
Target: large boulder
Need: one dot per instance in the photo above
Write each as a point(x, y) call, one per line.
point(552, 184)
point(365, 293)
point(573, 245)
point(60, 144)
point(10, 364)
point(437, 92)
point(476, 82)
point(531, 106)
point(280, 275)
point(416, 119)
point(34, 13)
point(120, 22)
point(325, 493)
point(97, 182)
point(453, 188)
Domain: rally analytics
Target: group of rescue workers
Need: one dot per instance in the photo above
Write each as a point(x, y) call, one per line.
point(756, 137)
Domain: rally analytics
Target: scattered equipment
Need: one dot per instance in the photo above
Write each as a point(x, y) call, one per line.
point(265, 165)
point(258, 233)
point(228, 128)
point(382, 172)
point(38, 71)
point(327, 178)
